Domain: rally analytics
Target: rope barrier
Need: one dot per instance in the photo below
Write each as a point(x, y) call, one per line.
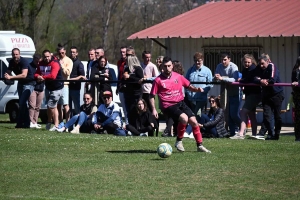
point(148, 81)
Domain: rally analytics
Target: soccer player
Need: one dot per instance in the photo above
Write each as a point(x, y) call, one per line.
point(168, 85)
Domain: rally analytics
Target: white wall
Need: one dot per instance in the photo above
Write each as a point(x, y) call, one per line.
point(282, 50)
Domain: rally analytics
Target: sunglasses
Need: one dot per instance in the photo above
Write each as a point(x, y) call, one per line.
point(86, 98)
point(61, 53)
point(212, 101)
point(128, 55)
point(107, 97)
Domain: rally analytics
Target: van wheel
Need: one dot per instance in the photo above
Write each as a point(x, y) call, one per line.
point(13, 112)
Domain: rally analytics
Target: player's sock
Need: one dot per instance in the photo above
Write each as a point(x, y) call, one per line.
point(197, 134)
point(180, 131)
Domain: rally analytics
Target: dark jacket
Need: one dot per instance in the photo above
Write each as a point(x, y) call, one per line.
point(272, 74)
point(77, 70)
point(39, 86)
point(87, 109)
point(134, 87)
point(141, 120)
point(296, 78)
point(17, 69)
point(248, 75)
point(218, 121)
point(97, 75)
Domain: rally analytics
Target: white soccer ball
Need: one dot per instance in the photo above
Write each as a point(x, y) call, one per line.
point(164, 150)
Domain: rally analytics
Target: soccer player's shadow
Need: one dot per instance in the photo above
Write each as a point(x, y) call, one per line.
point(133, 151)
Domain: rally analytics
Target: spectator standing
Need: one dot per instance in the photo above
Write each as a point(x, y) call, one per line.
point(120, 87)
point(37, 95)
point(102, 75)
point(227, 72)
point(92, 58)
point(83, 120)
point(24, 75)
point(77, 73)
point(198, 73)
point(66, 65)
point(49, 70)
point(108, 117)
point(132, 74)
point(150, 71)
point(142, 122)
point(168, 85)
point(296, 98)
point(252, 97)
point(272, 97)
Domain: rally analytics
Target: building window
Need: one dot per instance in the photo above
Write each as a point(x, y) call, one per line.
point(212, 55)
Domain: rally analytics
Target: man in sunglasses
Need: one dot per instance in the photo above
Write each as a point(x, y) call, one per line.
point(168, 86)
point(108, 117)
point(66, 65)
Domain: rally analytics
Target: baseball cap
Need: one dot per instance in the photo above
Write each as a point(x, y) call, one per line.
point(107, 93)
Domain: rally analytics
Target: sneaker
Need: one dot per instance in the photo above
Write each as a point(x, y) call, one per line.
point(32, 125)
point(260, 137)
point(144, 134)
point(237, 137)
point(38, 126)
point(61, 124)
point(60, 130)
point(54, 128)
point(201, 148)
point(269, 137)
point(129, 133)
point(179, 146)
point(166, 134)
point(48, 126)
point(75, 131)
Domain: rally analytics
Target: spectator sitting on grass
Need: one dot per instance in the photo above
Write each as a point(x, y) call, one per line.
point(212, 125)
point(141, 121)
point(83, 119)
point(108, 117)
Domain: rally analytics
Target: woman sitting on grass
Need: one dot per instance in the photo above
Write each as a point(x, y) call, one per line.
point(141, 121)
point(83, 119)
point(212, 124)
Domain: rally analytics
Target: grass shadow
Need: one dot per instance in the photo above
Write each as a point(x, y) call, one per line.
point(133, 151)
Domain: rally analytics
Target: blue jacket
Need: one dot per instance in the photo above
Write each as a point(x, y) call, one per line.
point(203, 74)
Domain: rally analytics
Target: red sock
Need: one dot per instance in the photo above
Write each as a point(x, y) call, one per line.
point(197, 134)
point(180, 130)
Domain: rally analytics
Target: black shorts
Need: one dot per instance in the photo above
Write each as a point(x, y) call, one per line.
point(176, 110)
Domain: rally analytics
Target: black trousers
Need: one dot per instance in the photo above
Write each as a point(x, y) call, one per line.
point(272, 106)
point(137, 132)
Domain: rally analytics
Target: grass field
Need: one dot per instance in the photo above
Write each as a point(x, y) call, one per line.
point(37, 164)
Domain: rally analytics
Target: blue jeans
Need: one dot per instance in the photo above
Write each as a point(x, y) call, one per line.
point(79, 119)
point(24, 92)
point(74, 95)
point(202, 120)
point(234, 119)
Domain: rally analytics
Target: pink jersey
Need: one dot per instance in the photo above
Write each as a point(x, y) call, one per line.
point(169, 90)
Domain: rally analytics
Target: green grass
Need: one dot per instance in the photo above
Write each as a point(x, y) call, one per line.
point(37, 164)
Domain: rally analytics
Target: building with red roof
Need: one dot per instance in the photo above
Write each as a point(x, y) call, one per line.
point(236, 27)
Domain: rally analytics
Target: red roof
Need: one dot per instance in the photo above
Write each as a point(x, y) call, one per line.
point(253, 18)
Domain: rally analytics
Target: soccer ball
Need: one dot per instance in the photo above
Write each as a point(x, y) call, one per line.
point(164, 150)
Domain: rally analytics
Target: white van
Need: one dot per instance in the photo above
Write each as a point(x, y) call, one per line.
point(8, 93)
